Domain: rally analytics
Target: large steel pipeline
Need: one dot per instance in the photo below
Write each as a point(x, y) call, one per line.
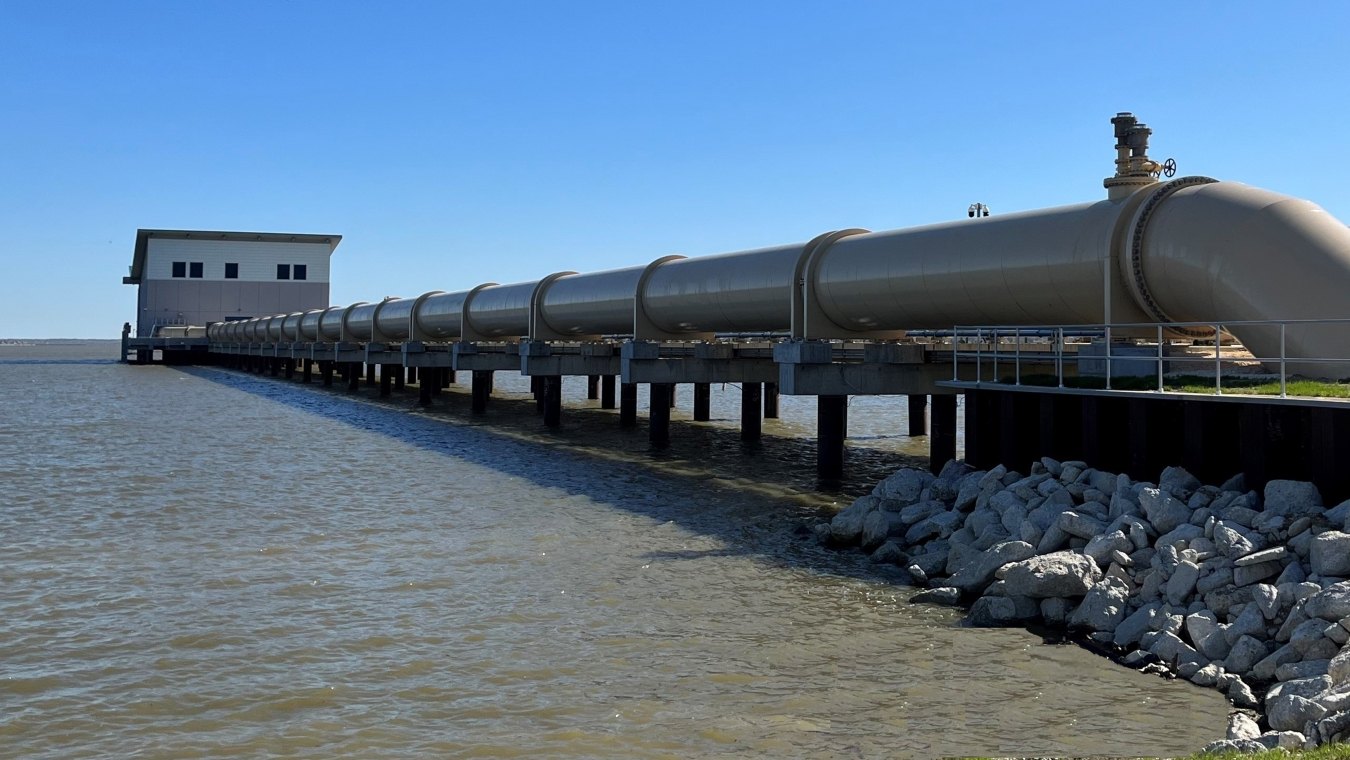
point(1187, 250)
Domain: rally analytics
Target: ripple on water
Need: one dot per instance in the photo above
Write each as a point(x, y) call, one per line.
point(279, 570)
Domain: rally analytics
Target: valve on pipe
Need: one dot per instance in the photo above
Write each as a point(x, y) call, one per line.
point(1134, 169)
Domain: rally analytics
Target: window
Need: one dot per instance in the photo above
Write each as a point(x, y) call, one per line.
point(180, 269)
point(195, 270)
point(301, 271)
point(231, 271)
point(283, 271)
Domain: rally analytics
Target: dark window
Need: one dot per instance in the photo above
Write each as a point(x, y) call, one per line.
point(283, 271)
point(300, 272)
point(180, 269)
point(195, 270)
point(231, 271)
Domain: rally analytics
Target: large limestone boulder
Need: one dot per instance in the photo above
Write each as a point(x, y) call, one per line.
point(1080, 525)
point(1331, 604)
point(968, 491)
point(1308, 635)
point(921, 511)
point(1163, 510)
point(979, 572)
point(905, 486)
point(847, 526)
point(1334, 728)
point(1292, 498)
point(1104, 606)
point(1335, 700)
point(1265, 669)
point(1231, 542)
point(940, 525)
point(948, 482)
point(1339, 514)
point(1339, 669)
point(1178, 482)
point(1246, 653)
point(1200, 625)
point(1267, 599)
point(879, 526)
point(1250, 622)
point(1241, 726)
point(1329, 554)
point(1290, 712)
point(1308, 688)
point(1136, 624)
point(1182, 583)
point(1246, 575)
point(1306, 669)
point(996, 611)
point(1062, 574)
point(1100, 548)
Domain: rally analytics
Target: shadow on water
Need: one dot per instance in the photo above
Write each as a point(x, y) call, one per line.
point(758, 497)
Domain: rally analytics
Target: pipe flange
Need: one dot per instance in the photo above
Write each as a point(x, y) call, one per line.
point(538, 327)
point(806, 311)
point(344, 331)
point(1136, 281)
point(467, 332)
point(375, 335)
point(317, 321)
point(415, 331)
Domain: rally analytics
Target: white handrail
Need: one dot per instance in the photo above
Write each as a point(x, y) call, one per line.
point(1055, 334)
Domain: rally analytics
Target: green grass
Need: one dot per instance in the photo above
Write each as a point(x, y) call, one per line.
point(1197, 384)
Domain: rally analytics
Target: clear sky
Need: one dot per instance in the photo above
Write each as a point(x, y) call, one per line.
point(453, 143)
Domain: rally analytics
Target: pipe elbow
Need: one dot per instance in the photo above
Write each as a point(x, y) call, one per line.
point(1226, 252)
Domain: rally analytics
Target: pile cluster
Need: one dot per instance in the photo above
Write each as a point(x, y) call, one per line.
point(1222, 586)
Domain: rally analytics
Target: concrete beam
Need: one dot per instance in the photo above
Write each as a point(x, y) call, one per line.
point(418, 354)
point(861, 379)
point(691, 370)
point(469, 356)
point(571, 365)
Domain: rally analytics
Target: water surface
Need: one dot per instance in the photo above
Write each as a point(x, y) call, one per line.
point(203, 563)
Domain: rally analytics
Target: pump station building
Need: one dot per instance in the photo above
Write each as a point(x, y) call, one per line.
point(199, 277)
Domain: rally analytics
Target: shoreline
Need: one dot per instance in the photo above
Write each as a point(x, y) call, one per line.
point(1225, 587)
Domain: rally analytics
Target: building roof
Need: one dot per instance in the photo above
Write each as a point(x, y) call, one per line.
point(143, 240)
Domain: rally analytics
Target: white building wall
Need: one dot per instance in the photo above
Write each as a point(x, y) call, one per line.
point(257, 261)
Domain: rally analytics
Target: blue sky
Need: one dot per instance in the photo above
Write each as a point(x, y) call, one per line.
point(456, 143)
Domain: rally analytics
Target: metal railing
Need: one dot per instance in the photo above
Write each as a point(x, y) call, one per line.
point(996, 343)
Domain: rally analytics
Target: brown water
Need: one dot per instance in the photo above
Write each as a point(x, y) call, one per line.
point(202, 563)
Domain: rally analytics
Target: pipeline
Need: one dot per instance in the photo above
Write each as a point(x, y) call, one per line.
point(1190, 249)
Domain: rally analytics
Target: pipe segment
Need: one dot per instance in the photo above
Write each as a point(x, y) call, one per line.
point(1189, 250)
